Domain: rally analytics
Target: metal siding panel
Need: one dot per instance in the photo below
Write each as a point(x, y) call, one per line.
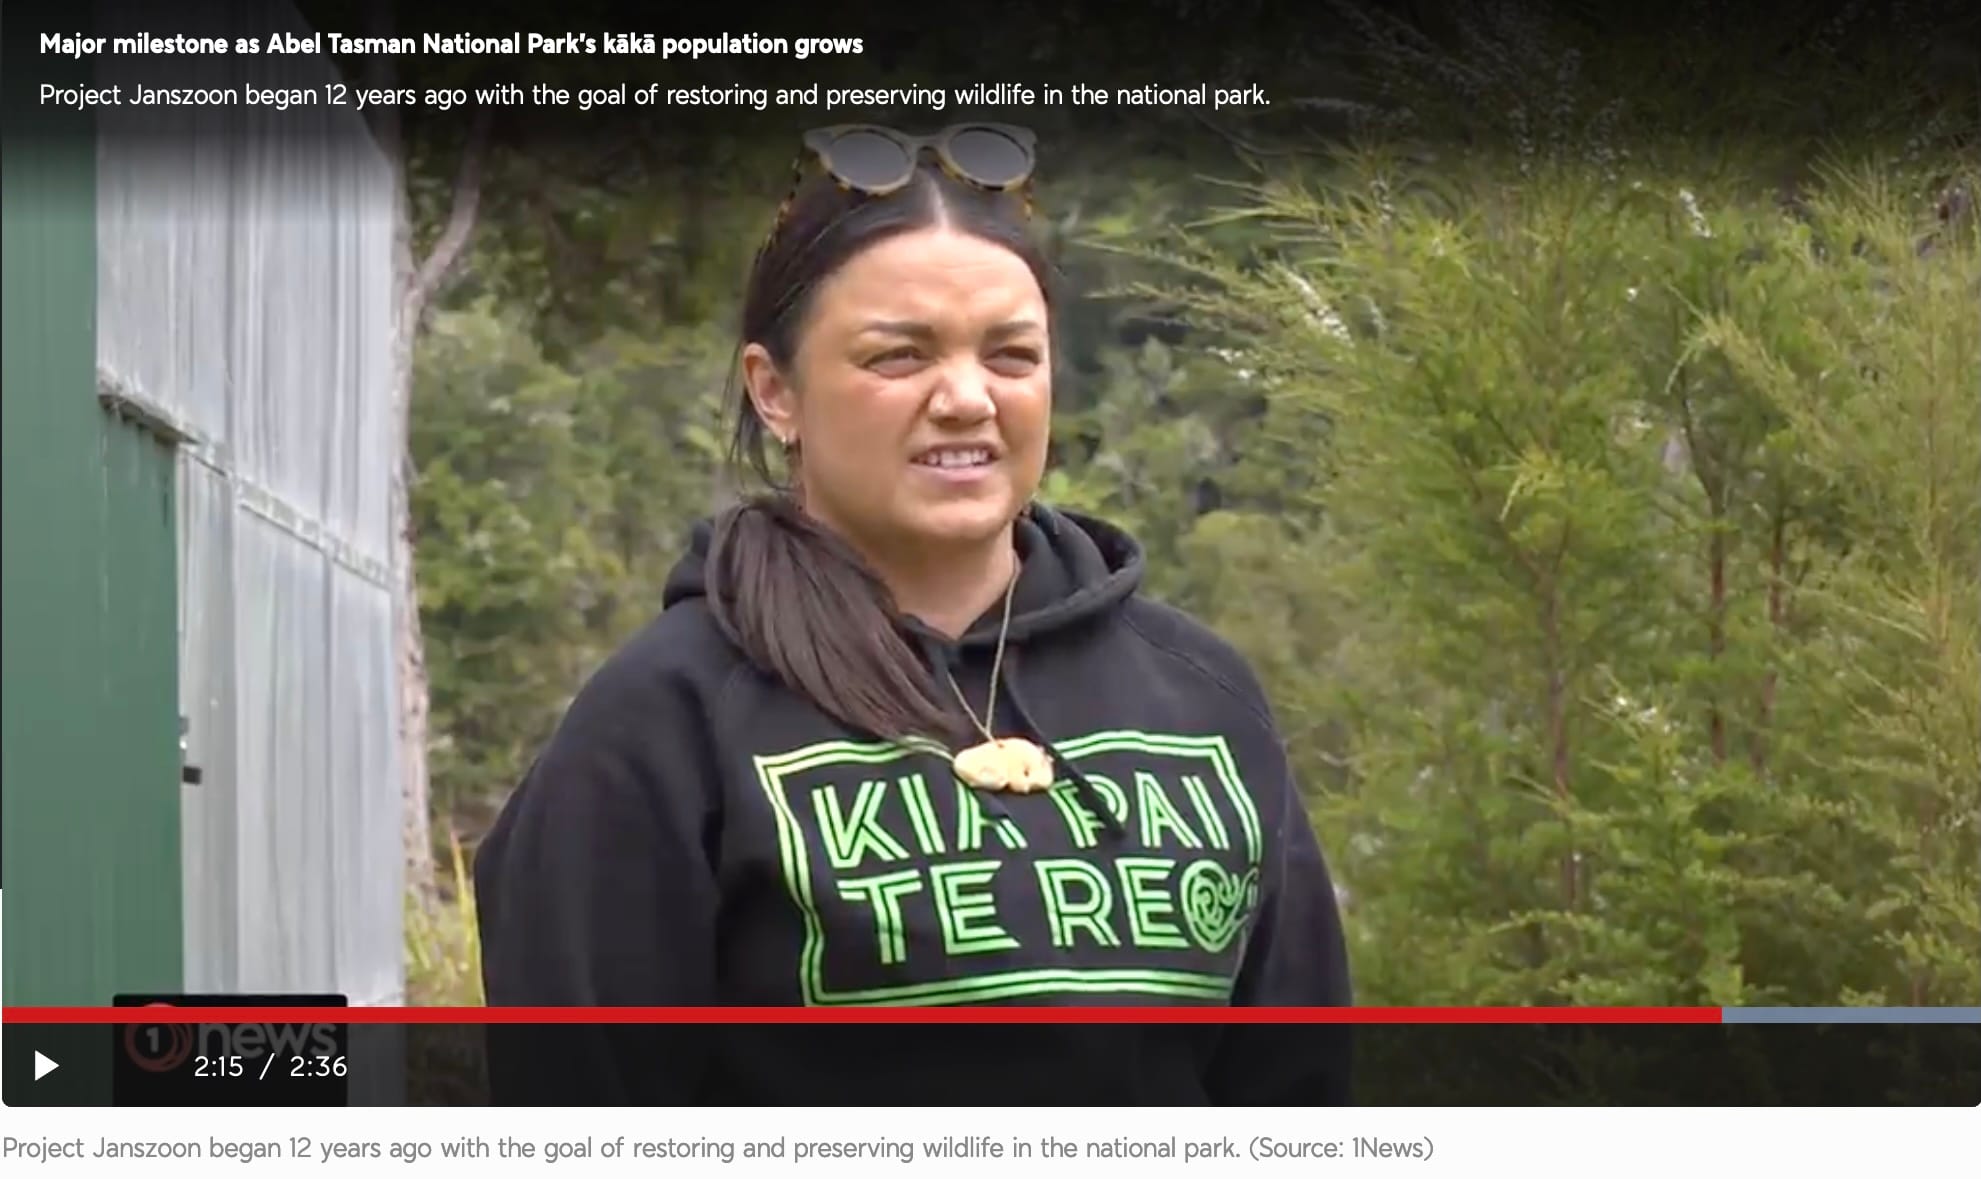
point(89, 736)
point(284, 764)
point(164, 221)
point(208, 699)
point(131, 828)
point(363, 746)
point(247, 293)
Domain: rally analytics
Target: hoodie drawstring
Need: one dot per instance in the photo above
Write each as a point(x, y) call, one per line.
point(1081, 786)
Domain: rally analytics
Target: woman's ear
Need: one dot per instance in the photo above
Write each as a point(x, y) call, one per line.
point(772, 395)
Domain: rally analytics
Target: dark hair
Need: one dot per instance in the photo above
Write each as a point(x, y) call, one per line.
point(800, 601)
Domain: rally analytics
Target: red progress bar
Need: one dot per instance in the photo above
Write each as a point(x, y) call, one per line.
point(886, 1015)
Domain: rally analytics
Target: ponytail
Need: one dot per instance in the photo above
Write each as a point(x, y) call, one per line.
point(803, 605)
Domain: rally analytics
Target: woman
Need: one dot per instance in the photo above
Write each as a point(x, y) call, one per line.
point(785, 790)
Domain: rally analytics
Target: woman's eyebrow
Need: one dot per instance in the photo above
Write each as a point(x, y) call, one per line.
point(899, 327)
point(1014, 327)
point(919, 330)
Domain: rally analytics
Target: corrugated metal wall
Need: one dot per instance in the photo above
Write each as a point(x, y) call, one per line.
point(245, 292)
point(87, 730)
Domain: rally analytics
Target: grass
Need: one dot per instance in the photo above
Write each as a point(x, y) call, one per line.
point(443, 948)
point(444, 1063)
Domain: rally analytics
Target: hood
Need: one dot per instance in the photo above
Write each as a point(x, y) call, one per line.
point(1076, 567)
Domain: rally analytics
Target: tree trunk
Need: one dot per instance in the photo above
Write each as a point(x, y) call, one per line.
point(1777, 617)
point(414, 697)
point(1716, 627)
point(409, 646)
point(1708, 469)
point(1557, 706)
point(414, 285)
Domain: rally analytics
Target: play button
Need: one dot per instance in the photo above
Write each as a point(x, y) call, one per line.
point(56, 1065)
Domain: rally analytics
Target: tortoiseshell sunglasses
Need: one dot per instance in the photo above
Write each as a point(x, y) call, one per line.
point(877, 161)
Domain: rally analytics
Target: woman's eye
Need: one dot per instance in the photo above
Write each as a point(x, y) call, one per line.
point(897, 360)
point(1016, 358)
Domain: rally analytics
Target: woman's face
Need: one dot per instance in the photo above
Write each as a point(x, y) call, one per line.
point(921, 392)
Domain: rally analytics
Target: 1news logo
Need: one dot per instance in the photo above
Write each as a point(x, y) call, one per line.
point(159, 1047)
point(230, 1063)
point(218, 1049)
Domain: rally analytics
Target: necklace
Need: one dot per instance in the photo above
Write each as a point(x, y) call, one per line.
point(1010, 763)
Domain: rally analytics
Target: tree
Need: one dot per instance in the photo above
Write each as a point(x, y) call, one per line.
point(1876, 391)
point(417, 278)
point(1521, 729)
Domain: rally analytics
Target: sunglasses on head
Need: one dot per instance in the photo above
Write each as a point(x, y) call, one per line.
point(878, 161)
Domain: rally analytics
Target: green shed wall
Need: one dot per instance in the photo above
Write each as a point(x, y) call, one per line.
point(89, 712)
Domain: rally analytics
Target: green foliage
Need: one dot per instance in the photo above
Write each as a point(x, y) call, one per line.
point(1609, 472)
point(549, 504)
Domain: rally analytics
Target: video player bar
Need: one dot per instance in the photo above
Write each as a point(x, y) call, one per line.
point(166, 1011)
point(263, 1050)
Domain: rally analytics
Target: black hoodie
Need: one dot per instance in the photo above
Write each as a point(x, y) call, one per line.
point(695, 834)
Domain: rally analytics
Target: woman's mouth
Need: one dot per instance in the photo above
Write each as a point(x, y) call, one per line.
point(955, 466)
point(955, 458)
